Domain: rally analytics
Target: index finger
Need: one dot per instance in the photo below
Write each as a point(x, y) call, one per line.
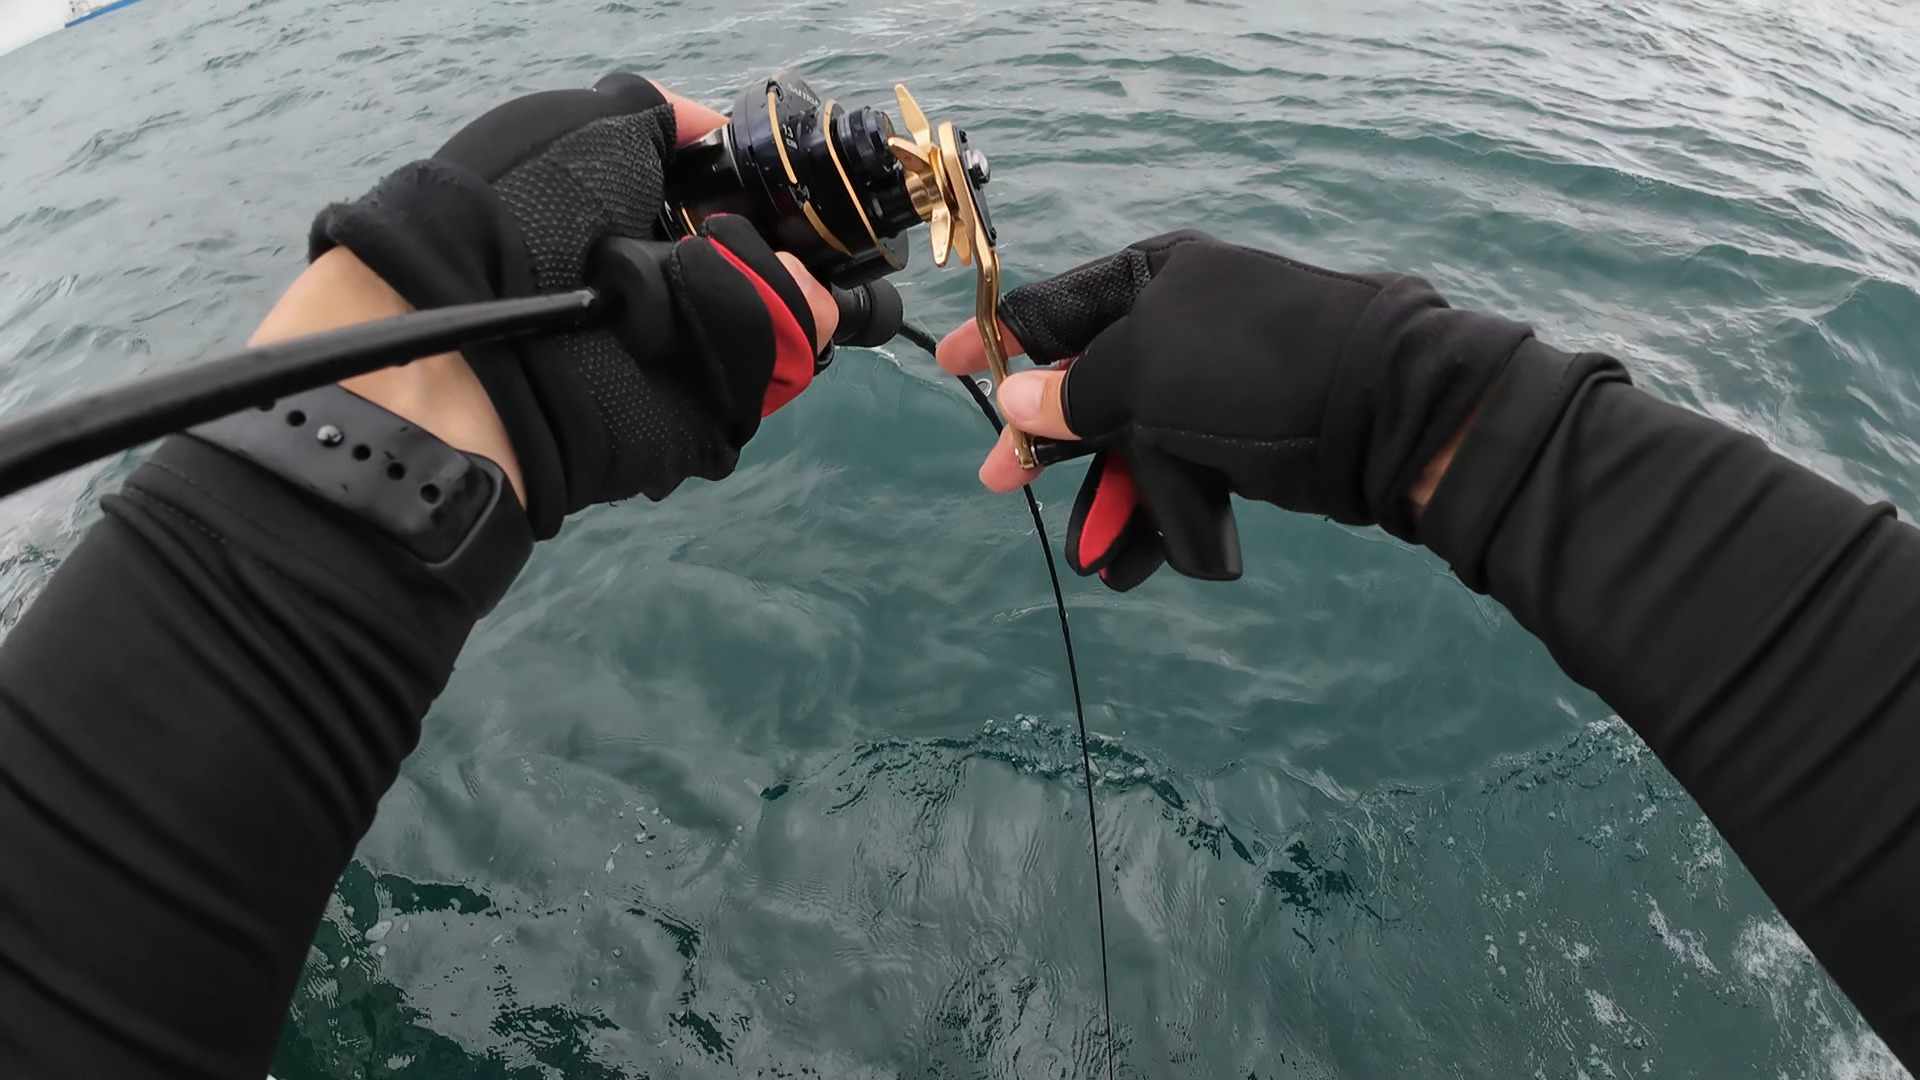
point(963, 353)
point(691, 119)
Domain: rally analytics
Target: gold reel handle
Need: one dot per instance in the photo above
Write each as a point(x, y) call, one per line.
point(986, 315)
point(943, 196)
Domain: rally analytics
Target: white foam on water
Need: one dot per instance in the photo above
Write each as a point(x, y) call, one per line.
point(1774, 959)
point(1768, 951)
point(1605, 1010)
point(1687, 945)
point(1862, 1056)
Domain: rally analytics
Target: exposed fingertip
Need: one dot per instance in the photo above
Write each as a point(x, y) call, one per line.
point(691, 119)
point(1001, 472)
point(1010, 478)
point(960, 353)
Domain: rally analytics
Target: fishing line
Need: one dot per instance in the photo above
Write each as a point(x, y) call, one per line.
point(926, 341)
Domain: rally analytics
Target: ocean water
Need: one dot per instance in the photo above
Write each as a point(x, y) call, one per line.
point(778, 778)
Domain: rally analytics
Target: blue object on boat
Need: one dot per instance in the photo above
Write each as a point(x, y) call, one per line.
point(102, 10)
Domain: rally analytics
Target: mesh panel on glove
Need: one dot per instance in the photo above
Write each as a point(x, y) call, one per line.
point(603, 180)
point(1057, 318)
point(643, 432)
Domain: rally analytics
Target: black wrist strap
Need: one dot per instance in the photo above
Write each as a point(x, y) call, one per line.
point(453, 511)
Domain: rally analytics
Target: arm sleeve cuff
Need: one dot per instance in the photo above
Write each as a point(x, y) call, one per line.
point(1520, 412)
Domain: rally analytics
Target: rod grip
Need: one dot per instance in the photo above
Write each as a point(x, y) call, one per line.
point(870, 314)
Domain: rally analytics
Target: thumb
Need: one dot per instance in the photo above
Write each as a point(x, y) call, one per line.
point(1031, 401)
point(826, 313)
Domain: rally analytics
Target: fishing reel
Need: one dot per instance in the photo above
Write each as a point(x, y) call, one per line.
point(837, 187)
point(840, 188)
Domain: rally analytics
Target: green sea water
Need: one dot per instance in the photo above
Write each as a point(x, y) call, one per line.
point(778, 778)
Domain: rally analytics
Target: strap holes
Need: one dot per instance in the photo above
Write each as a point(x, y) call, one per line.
point(396, 471)
point(295, 418)
point(362, 452)
point(429, 493)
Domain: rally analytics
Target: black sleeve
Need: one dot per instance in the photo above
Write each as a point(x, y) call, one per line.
point(1756, 624)
point(197, 720)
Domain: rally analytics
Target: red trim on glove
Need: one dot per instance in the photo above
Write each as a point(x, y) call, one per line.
point(1114, 501)
point(793, 353)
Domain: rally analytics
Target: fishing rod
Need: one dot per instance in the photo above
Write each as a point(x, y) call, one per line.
point(47, 443)
point(837, 187)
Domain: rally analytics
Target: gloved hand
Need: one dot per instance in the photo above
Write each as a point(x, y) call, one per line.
point(514, 205)
point(1199, 369)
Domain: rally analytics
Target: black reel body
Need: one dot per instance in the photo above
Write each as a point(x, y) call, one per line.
point(814, 177)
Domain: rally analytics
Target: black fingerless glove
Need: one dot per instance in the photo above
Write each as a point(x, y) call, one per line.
point(1206, 369)
point(515, 205)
